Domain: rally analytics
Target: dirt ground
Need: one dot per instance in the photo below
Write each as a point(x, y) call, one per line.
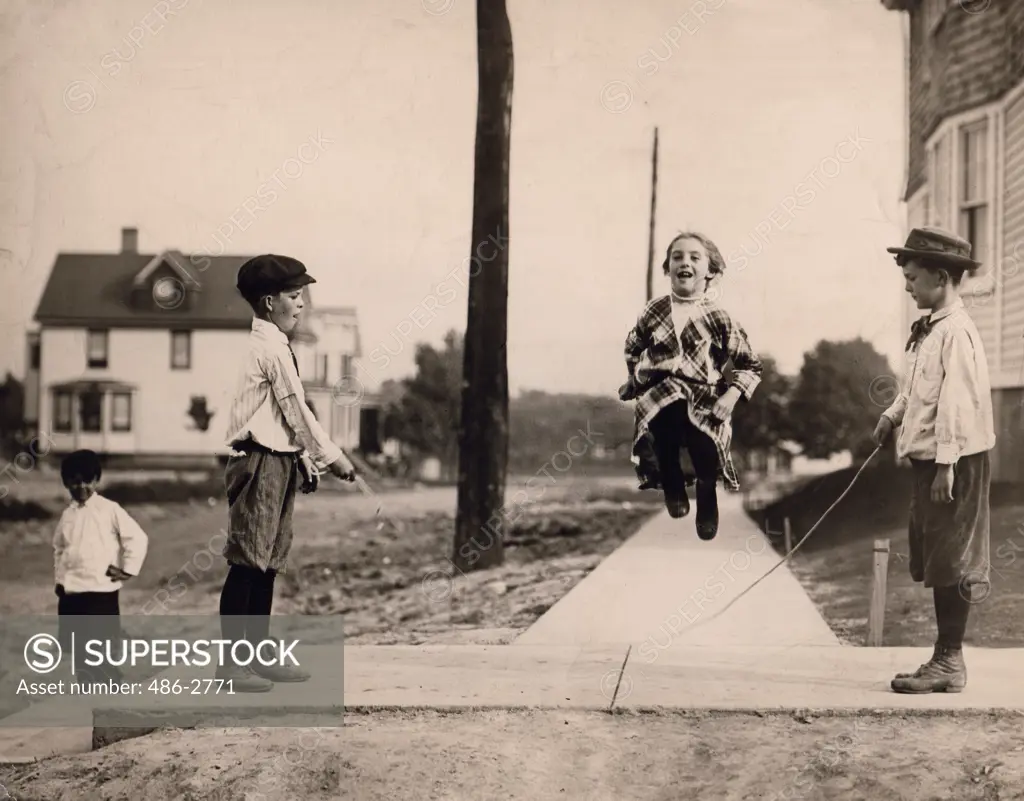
point(388, 582)
point(391, 584)
point(837, 579)
point(547, 755)
point(835, 564)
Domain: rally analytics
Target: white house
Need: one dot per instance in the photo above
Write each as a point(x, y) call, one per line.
point(964, 81)
point(326, 348)
point(136, 356)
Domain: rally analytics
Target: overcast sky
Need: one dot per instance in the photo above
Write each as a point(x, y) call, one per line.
point(781, 138)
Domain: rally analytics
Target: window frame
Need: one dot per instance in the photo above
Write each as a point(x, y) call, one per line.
point(63, 425)
point(100, 362)
point(114, 426)
point(947, 188)
point(175, 335)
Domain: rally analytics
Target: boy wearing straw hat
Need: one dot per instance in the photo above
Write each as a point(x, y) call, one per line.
point(944, 413)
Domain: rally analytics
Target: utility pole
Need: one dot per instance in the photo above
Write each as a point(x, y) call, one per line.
point(654, 203)
point(483, 422)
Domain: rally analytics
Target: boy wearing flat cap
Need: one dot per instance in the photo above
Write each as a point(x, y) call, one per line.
point(275, 441)
point(944, 413)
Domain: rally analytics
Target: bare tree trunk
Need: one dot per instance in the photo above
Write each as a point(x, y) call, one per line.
point(483, 424)
point(654, 202)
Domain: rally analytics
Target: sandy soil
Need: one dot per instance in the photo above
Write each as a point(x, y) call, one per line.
point(837, 579)
point(391, 584)
point(545, 755)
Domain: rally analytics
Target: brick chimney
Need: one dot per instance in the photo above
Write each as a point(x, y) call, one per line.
point(129, 240)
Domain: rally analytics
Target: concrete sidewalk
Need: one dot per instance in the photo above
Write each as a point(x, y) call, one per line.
point(756, 679)
point(664, 579)
point(740, 678)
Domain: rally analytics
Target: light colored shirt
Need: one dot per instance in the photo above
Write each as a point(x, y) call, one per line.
point(92, 537)
point(261, 409)
point(682, 312)
point(944, 408)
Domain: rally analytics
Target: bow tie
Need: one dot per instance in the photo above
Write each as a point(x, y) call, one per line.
point(920, 328)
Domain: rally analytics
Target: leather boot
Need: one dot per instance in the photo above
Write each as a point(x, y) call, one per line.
point(707, 510)
point(678, 505)
point(917, 673)
point(946, 673)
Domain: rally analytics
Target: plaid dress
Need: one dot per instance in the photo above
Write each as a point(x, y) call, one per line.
point(665, 367)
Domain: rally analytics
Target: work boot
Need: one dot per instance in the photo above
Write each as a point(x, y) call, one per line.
point(917, 673)
point(242, 679)
point(707, 510)
point(678, 505)
point(281, 673)
point(946, 673)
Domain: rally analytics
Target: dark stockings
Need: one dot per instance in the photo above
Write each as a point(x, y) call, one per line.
point(951, 613)
point(245, 604)
point(672, 430)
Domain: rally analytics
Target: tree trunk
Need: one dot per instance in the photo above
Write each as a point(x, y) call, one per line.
point(483, 424)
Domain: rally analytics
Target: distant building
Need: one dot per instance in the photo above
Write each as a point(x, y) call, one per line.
point(965, 171)
point(767, 462)
point(136, 356)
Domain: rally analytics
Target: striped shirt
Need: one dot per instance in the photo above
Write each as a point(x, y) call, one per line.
point(92, 537)
point(268, 378)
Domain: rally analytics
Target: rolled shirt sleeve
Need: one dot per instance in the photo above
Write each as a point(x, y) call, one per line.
point(287, 388)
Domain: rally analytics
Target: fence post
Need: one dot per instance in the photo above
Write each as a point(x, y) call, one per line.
point(787, 529)
point(876, 615)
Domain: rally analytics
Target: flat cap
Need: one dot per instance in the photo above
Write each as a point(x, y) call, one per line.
point(270, 273)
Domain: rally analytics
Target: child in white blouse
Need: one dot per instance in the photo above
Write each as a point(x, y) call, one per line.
point(97, 546)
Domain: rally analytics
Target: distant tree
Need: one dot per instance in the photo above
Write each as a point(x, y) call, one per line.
point(841, 390)
point(423, 411)
point(543, 424)
point(764, 421)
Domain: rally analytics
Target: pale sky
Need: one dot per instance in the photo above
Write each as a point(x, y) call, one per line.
point(175, 133)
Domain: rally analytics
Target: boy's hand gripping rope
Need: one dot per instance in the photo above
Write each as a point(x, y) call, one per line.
point(785, 558)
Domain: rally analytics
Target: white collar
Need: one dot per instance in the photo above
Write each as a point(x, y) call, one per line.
point(934, 317)
point(269, 330)
point(88, 504)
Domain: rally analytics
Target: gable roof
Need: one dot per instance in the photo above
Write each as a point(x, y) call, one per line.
point(95, 289)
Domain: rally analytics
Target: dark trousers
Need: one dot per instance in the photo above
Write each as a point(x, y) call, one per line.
point(90, 616)
point(672, 431)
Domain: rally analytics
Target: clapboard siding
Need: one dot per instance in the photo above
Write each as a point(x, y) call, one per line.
point(1013, 241)
point(982, 309)
point(1008, 456)
point(968, 60)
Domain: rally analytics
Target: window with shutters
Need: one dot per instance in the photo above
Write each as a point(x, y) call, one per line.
point(940, 178)
point(973, 205)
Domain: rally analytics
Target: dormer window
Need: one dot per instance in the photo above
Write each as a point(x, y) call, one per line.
point(165, 284)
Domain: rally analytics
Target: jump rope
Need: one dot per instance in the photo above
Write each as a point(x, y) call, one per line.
point(382, 518)
point(701, 621)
